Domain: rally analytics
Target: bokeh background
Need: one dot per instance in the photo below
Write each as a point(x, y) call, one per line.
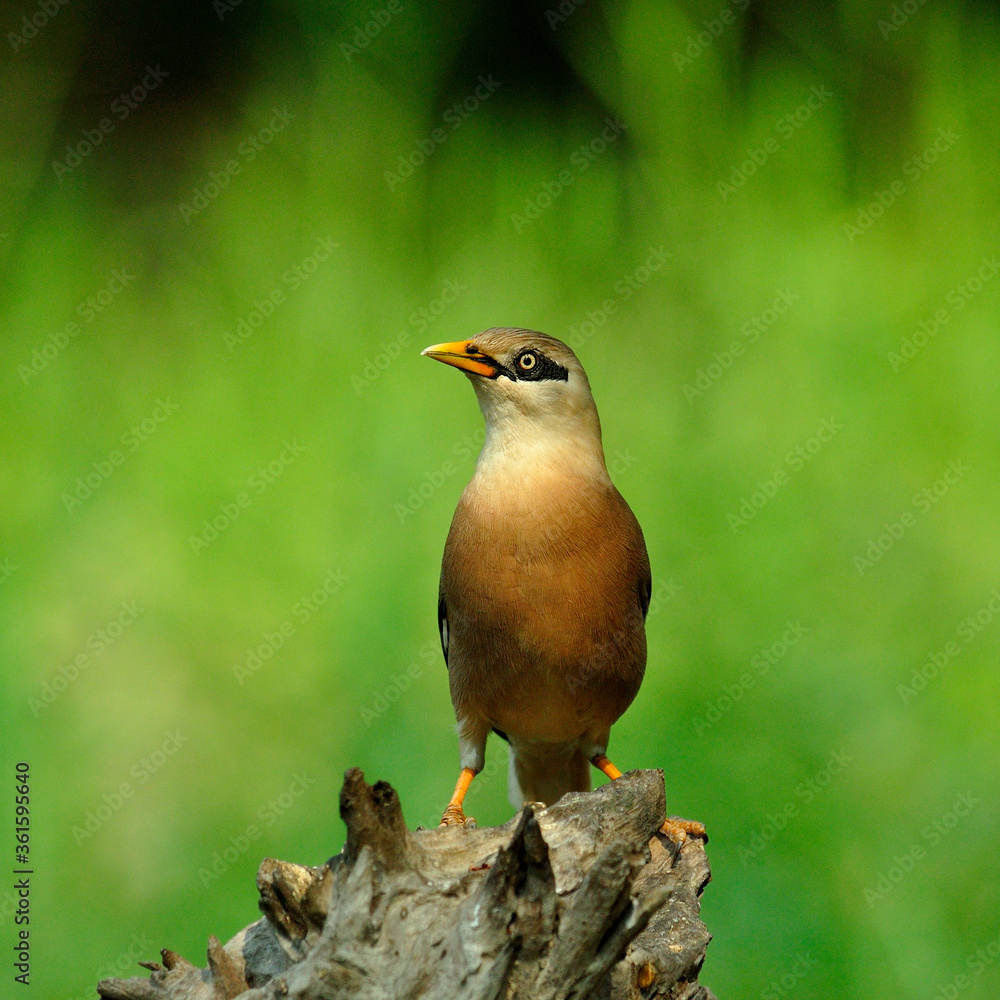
point(253, 255)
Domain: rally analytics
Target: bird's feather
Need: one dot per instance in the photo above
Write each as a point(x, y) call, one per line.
point(545, 582)
point(546, 595)
point(443, 626)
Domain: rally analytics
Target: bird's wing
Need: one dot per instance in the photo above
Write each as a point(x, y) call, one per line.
point(443, 626)
point(645, 589)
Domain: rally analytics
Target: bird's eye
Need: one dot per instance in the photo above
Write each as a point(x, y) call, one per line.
point(527, 361)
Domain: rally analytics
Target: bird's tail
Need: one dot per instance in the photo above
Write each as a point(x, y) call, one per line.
point(545, 773)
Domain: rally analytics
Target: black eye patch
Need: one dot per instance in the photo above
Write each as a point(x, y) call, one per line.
point(544, 369)
point(538, 368)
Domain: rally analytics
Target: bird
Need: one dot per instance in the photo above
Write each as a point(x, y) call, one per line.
point(545, 580)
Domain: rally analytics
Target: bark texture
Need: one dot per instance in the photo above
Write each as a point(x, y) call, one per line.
point(568, 902)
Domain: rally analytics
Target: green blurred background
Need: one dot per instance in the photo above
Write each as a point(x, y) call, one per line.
point(839, 159)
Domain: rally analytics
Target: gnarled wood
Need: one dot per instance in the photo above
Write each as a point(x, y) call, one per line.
point(568, 902)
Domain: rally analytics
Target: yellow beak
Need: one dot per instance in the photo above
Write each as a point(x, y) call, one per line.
point(463, 354)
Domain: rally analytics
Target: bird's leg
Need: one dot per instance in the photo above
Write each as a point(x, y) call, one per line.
point(453, 815)
point(677, 830)
point(603, 764)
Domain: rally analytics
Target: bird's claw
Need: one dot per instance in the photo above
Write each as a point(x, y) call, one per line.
point(454, 816)
point(681, 830)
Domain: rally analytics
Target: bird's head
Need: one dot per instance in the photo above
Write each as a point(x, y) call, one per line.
point(519, 371)
point(531, 388)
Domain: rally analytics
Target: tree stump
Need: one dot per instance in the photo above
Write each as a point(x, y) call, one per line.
point(568, 902)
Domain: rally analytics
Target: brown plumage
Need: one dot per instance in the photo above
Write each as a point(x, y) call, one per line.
point(543, 586)
point(545, 581)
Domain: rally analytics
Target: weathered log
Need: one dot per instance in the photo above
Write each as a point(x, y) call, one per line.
point(568, 902)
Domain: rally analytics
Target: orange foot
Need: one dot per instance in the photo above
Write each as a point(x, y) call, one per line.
point(677, 830)
point(453, 815)
point(680, 830)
